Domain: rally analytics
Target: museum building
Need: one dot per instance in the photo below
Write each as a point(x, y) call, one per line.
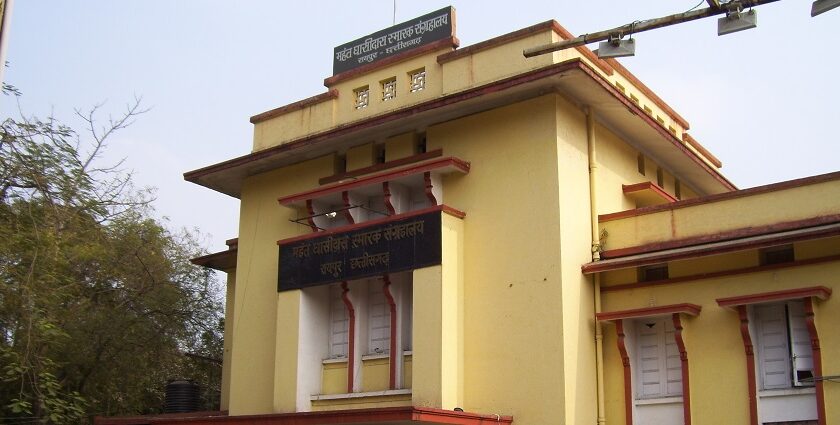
point(467, 236)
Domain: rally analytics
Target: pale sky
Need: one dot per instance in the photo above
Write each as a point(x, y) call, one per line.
point(761, 100)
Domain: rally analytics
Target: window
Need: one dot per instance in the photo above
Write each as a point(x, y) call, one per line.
point(660, 177)
point(640, 162)
point(784, 345)
point(418, 80)
point(659, 371)
point(389, 89)
point(362, 95)
point(677, 189)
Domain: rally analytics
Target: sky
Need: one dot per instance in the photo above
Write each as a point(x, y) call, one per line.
point(761, 100)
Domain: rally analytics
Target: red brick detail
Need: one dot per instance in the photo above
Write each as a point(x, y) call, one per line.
point(686, 388)
point(392, 357)
point(820, 292)
point(310, 210)
point(752, 392)
point(628, 383)
point(380, 167)
point(458, 163)
point(817, 358)
point(427, 180)
point(345, 197)
point(386, 193)
point(684, 308)
point(351, 335)
point(630, 188)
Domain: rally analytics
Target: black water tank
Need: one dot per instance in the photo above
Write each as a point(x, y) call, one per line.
point(182, 396)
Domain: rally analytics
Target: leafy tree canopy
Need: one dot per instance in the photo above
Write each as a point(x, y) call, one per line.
point(98, 300)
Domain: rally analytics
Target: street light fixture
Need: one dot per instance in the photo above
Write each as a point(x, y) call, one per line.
point(735, 21)
point(822, 6)
point(615, 47)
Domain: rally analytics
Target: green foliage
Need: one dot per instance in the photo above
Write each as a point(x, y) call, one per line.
point(98, 299)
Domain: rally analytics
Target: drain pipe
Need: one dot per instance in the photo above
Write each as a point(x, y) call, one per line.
point(596, 255)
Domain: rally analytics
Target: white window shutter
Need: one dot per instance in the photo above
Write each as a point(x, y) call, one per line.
point(659, 371)
point(673, 365)
point(800, 347)
point(650, 356)
point(773, 348)
point(379, 320)
point(339, 324)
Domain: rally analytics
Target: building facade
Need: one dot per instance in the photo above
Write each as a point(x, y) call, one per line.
point(466, 236)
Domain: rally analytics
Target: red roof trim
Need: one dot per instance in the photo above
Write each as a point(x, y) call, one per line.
point(384, 415)
point(383, 166)
point(647, 92)
point(773, 187)
point(638, 187)
point(638, 111)
point(583, 50)
point(820, 292)
point(460, 164)
point(744, 232)
point(700, 251)
point(493, 87)
point(702, 149)
point(300, 104)
point(222, 261)
point(451, 42)
point(346, 228)
point(684, 308)
point(722, 273)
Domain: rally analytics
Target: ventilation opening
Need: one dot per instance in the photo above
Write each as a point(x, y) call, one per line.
point(653, 273)
point(776, 255)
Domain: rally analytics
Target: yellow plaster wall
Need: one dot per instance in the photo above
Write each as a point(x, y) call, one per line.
point(512, 279)
point(360, 157)
point(494, 63)
point(575, 245)
point(709, 218)
point(295, 124)
point(347, 112)
point(816, 248)
point(617, 166)
point(438, 353)
point(717, 366)
point(369, 402)
point(375, 374)
point(341, 110)
point(400, 146)
point(264, 361)
point(334, 378)
point(715, 263)
point(407, 371)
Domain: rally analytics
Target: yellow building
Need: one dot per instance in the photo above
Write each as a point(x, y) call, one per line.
point(466, 236)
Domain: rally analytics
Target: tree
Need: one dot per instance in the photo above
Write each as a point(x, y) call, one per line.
point(98, 299)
